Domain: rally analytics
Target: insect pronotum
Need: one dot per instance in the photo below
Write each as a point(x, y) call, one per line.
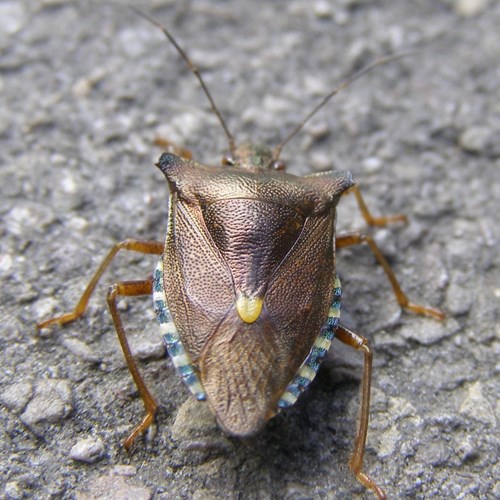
point(245, 290)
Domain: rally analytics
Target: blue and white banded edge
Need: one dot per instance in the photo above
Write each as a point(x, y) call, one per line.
point(183, 365)
point(171, 337)
point(309, 368)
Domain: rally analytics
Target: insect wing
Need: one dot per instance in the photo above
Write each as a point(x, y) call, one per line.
point(243, 236)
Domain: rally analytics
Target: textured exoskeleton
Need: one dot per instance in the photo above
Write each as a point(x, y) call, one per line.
point(248, 275)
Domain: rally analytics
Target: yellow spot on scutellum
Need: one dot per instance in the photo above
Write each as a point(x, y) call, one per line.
point(249, 308)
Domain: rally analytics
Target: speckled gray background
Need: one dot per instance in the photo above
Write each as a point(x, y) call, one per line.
point(84, 90)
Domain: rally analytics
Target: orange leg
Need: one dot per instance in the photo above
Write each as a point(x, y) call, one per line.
point(171, 147)
point(356, 462)
point(132, 289)
point(358, 238)
point(146, 247)
point(369, 219)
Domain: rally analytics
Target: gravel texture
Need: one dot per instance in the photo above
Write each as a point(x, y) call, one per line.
point(84, 90)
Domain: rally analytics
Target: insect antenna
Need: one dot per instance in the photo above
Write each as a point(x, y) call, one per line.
point(377, 62)
point(195, 71)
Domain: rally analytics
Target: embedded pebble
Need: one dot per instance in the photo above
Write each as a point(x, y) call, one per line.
point(88, 450)
point(124, 470)
point(207, 59)
point(203, 494)
point(323, 9)
point(81, 349)
point(16, 396)
point(193, 419)
point(6, 262)
point(12, 17)
point(458, 298)
point(149, 348)
point(183, 126)
point(114, 488)
point(52, 401)
point(318, 130)
point(273, 104)
point(470, 8)
point(388, 442)
point(475, 405)
point(295, 490)
point(30, 217)
point(319, 161)
point(43, 309)
point(435, 453)
point(77, 224)
point(427, 332)
point(372, 164)
point(13, 491)
point(84, 86)
point(467, 450)
point(135, 41)
point(315, 86)
point(479, 140)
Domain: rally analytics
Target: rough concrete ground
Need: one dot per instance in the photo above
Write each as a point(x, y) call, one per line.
point(84, 90)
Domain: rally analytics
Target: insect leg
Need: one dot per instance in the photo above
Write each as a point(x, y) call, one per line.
point(171, 147)
point(356, 462)
point(147, 247)
point(132, 289)
point(369, 218)
point(346, 240)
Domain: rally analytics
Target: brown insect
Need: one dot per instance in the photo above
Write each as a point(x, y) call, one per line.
point(245, 291)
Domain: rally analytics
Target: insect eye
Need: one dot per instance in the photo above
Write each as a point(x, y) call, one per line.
point(278, 165)
point(227, 160)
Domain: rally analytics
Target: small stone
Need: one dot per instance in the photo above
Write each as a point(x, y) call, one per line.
point(6, 262)
point(124, 470)
point(323, 9)
point(467, 450)
point(84, 86)
point(81, 349)
point(475, 405)
point(277, 105)
point(295, 490)
point(193, 419)
point(52, 401)
point(134, 41)
point(207, 59)
point(29, 217)
point(435, 453)
point(314, 85)
point(388, 442)
point(372, 164)
point(13, 491)
point(16, 396)
point(77, 224)
point(320, 161)
point(114, 488)
point(149, 348)
point(318, 130)
point(12, 17)
point(475, 139)
point(470, 8)
point(43, 309)
point(427, 332)
point(88, 450)
point(203, 494)
point(458, 297)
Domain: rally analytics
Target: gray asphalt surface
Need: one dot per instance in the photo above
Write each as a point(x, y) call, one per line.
point(84, 90)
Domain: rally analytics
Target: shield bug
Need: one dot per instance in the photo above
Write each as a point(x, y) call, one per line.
point(245, 290)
